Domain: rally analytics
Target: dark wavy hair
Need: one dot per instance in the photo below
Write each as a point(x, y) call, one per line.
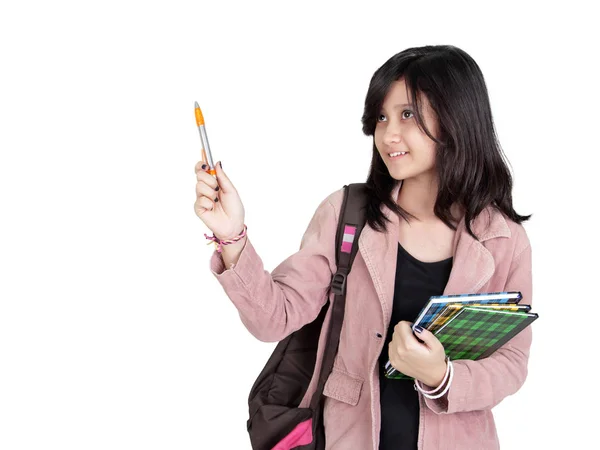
point(470, 164)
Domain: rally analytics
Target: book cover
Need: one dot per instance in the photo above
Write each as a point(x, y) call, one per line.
point(475, 333)
point(453, 308)
point(437, 303)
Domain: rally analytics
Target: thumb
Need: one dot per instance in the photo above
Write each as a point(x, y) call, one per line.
point(425, 335)
point(225, 183)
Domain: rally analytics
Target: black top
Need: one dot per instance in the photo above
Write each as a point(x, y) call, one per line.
point(416, 281)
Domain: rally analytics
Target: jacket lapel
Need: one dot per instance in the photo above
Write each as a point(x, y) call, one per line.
point(380, 253)
point(473, 264)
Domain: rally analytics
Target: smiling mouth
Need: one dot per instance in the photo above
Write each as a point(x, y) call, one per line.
point(396, 154)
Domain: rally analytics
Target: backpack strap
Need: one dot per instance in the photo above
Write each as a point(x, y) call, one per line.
point(351, 222)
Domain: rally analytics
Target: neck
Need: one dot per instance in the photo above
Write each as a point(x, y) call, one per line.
point(418, 196)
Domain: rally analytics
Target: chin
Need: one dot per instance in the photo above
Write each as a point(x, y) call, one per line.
point(405, 173)
point(399, 174)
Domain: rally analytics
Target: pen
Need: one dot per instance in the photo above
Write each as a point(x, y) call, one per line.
point(206, 154)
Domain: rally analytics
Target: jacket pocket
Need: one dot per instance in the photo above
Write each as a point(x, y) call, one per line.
point(343, 387)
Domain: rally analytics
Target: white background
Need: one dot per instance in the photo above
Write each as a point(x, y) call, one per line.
point(114, 333)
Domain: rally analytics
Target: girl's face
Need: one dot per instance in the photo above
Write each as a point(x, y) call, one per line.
point(397, 131)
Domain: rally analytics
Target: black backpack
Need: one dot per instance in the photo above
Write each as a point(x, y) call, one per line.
point(280, 387)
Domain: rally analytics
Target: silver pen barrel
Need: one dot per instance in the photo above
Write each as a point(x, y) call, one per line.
point(206, 146)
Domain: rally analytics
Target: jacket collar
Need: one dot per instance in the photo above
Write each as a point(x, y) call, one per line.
point(473, 264)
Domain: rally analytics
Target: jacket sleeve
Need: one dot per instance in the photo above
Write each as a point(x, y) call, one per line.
point(273, 305)
point(482, 384)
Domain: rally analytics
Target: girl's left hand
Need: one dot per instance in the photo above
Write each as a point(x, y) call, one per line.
point(425, 361)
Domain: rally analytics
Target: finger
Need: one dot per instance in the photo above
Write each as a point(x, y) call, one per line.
point(398, 342)
point(204, 203)
point(203, 189)
point(207, 178)
point(403, 329)
point(410, 340)
point(202, 166)
point(224, 181)
point(425, 335)
point(396, 349)
point(199, 165)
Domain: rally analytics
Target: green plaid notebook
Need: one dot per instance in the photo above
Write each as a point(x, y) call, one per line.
point(451, 309)
point(475, 333)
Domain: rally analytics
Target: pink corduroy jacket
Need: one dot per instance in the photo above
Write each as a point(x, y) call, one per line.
point(273, 305)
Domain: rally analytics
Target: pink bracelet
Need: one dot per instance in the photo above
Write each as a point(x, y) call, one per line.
point(219, 243)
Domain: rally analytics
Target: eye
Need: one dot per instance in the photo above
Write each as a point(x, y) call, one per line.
point(381, 117)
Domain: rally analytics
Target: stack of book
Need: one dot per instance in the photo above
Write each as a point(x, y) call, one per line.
point(472, 326)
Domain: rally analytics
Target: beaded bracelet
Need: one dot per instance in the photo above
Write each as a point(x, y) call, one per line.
point(449, 373)
point(219, 243)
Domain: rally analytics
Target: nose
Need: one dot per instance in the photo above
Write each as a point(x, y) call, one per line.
point(391, 135)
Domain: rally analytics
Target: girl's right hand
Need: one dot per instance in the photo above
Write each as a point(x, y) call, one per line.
point(218, 203)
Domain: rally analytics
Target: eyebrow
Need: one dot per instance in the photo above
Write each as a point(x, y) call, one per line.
point(400, 105)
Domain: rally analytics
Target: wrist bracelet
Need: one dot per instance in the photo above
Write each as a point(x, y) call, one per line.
point(447, 386)
point(219, 243)
point(449, 373)
point(443, 381)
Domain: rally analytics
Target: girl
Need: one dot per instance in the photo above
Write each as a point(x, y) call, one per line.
point(440, 221)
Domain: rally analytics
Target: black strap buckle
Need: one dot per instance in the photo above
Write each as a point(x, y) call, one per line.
point(338, 283)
